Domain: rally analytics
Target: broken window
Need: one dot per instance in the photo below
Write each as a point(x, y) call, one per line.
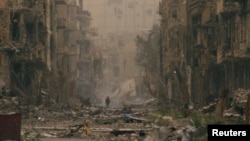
point(30, 27)
point(196, 20)
point(39, 54)
point(15, 31)
point(42, 33)
point(174, 14)
point(243, 30)
point(195, 34)
point(196, 62)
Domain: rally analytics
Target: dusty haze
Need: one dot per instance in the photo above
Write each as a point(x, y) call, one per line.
point(118, 22)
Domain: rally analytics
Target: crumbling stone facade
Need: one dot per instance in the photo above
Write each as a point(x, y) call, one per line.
point(215, 48)
point(74, 50)
point(23, 42)
point(40, 47)
point(4, 39)
point(173, 52)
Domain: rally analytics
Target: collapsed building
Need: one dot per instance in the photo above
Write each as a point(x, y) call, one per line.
point(214, 48)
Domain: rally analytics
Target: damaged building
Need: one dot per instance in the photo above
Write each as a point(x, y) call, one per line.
point(25, 44)
point(214, 50)
point(41, 46)
point(174, 68)
point(4, 38)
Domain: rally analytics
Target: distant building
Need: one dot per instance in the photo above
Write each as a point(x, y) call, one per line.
point(122, 16)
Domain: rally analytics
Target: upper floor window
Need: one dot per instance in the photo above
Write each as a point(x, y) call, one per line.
point(174, 14)
point(243, 30)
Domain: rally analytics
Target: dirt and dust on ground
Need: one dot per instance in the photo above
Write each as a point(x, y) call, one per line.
point(88, 123)
point(134, 121)
point(131, 122)
point(79, 122)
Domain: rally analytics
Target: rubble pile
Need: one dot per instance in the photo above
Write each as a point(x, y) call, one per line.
point(167, 128)
point(240, 97)
point(9, 105)
point(91, 123)
point(96, 123)
point(236, 102)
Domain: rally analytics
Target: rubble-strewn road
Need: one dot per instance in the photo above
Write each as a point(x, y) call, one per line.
point(140, 123)
point(62, 139)
point(88, 123)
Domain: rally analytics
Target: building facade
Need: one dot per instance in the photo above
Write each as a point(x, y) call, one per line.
point(174, 68)
point(215, 48)
point(42, 44)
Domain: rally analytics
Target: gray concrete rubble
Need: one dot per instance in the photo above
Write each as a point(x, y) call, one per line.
point(100, 123)
point(94, 123)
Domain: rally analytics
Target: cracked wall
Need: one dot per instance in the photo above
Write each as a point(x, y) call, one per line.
point(216, 52)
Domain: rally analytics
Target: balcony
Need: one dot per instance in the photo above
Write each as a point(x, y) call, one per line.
point(230, 7)
point(196, 6)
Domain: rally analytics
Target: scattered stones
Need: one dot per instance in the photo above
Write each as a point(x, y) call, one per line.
point(56, 122)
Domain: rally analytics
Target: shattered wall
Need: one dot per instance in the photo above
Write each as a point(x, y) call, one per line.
point(4, 40)
point(207, 58)
point(4, 70)
point(79, 48)
point(85, 66)
point(218, 48)
point(174, 48)
point(40, 40)
point(5, 22)
point(201, 46)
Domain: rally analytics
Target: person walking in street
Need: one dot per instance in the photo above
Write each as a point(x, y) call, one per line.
point(107, 101)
